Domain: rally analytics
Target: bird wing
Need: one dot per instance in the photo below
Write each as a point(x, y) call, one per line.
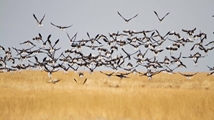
point(194, 73)
point(73, 38)
point(67, 26)
point(84, 81)
point(165, 16)
point(192, 47)
point(185, 30)
point(42, 19)
point(49, 36)
point(76, 81)
point(182, 74)
point(40, 35)
point(55, 43)
point(209, 43)
point(121, 15)
point(88, 35)
point(35, 18)
point(102, 72)
point(55, 25)
point(157, 15)
point(210, 48)
point(133, 17)
point(209, 67)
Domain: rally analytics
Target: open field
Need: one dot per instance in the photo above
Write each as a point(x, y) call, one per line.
point(26, 95)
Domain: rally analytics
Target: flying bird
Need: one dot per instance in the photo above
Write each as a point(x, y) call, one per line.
point(107, 74)
point(126, 20)
point(188, 76)
point(61, 27)
point(122, 75)
point(210, 68)
point(83, 81)
point(39, 22)
point(189, 32)
point(28, 43)
point(160, 19)
point(73, 38)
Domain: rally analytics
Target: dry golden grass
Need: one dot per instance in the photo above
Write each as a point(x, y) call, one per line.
point(27, 95)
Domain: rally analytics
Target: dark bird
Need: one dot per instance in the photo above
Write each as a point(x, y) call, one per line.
point(205, 49)
point(107, 74)
point(92, 40)
point(171, 48)
point(129, 55)
point(73, 38)
point(150, 74)
point(188, 76)
point(189, 32)
point(122, 75)
point(195, 57)
point(50, 71)
point(201, 35)
point(126, 20)
point(156, 51)
point(39, 22)
point(28, 43)
point(38, 38)
point(210, 68)
point(176, 60)
point(196, 45)
point(142, 55)
point(61, 27)
point(83, 81)
point(52, 48)
point(169, 70)
point(75, 69)
point(160, 19)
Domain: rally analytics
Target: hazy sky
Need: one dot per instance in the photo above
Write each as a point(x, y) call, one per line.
point(100, 17)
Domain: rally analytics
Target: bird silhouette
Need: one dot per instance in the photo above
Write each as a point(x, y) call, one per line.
point(39, 22)
point(126, 20)
point(61, 27)
point(161, 19)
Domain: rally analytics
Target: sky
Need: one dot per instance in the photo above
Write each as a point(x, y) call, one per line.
point(100, 17)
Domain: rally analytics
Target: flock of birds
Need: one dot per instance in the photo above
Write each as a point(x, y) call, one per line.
point(109, 51)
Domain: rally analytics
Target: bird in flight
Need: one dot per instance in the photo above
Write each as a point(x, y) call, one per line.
point(39, 22)
point(188, 76)
point(160, 19)
point(126, 20)
point(61, 27)
point(83, 81)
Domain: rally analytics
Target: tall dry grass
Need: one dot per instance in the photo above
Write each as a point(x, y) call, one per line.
point(27, 95)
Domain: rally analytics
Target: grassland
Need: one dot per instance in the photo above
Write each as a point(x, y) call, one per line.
point(26, 95)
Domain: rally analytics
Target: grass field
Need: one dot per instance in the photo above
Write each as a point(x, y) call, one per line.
point(26, 95)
